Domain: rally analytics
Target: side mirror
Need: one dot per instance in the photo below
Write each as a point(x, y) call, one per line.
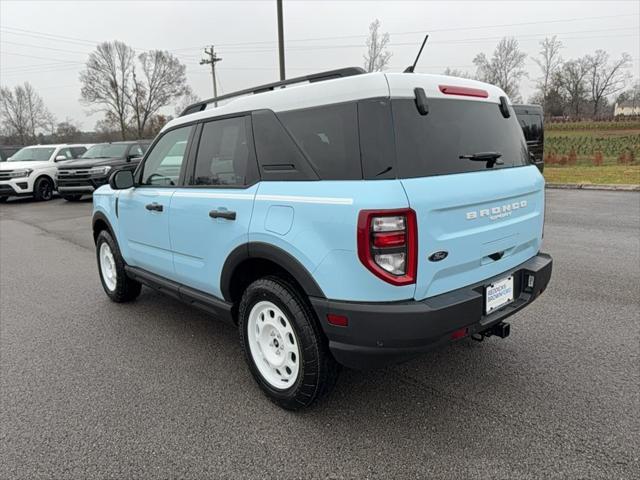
point(60, 158)
point(121, 179)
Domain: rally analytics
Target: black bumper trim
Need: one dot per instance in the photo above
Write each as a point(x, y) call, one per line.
point(9, 191)
point(385, 333)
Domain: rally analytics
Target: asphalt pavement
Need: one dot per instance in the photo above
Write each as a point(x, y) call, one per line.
point(157, 389)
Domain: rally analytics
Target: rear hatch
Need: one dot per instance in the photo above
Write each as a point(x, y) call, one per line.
point(480, 215)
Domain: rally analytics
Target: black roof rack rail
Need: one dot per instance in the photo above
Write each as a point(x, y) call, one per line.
point(315, 77)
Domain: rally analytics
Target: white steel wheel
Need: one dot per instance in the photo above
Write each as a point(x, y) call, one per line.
point(108, 266)
point(273, 345)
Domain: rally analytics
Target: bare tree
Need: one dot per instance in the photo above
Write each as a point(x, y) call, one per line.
point(163, 80)
point(106, 81)
point(550, 63)
point(606, 78)
point(377, 57)
point(505, 69)
point(23, 113)
point(572, 84)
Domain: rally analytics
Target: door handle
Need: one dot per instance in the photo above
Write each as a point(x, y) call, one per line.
point(228, 214)
point(157, 207)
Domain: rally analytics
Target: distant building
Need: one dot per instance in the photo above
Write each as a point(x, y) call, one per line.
point(626, 109)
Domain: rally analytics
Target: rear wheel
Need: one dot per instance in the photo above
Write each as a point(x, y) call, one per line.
point(43, 189)
point(72, 198)
point(117, 285)
point(283, 346)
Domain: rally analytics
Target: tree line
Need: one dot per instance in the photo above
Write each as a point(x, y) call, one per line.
point(131, 88)
point(575, 88)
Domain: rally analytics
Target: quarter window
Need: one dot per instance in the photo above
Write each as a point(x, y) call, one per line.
point(328, 136)
point(225, 154)
point(163, 164)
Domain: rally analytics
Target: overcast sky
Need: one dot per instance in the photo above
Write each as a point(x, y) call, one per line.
point(47, 42)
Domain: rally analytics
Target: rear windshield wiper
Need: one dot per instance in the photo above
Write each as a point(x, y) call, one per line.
point(492, 158)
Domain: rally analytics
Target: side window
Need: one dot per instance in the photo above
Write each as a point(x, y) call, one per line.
point(328, 136)
point(136, 151)
point(64, 152)
point(77, 151)
point(163, 164)
point(225, 154)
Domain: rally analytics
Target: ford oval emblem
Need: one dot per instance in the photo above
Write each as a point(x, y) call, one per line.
point(436, 257)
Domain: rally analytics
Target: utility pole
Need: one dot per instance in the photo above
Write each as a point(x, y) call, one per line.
point(280, 39)
point(212, 60)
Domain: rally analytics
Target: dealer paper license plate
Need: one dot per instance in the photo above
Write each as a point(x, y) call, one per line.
point(498, 294)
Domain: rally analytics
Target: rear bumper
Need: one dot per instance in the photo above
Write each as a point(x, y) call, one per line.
point(379, 334)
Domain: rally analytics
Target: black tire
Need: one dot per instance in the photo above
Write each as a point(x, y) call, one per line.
point(43, 189)
point(72, 198)
point(3, 199)
point(126, 289)
point(318, 370)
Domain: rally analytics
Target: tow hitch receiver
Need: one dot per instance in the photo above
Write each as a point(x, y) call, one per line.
point(502, 330)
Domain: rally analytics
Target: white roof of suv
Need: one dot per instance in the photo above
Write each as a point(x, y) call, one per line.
point(337, 90)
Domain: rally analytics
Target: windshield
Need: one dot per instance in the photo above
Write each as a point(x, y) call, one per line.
point(33, 154)
point(106, 150)
point(456, 136)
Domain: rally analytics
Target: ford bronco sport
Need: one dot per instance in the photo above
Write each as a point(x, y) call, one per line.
point(340, 218)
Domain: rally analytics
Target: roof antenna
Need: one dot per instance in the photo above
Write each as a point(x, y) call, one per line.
point(411, 68)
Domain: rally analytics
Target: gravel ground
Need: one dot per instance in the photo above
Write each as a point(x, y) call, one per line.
point(156, 389)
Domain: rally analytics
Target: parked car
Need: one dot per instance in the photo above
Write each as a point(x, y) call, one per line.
point(357, 220)
point(91, 170)
point(531, 120)
point(7, 150)
point(32, 170)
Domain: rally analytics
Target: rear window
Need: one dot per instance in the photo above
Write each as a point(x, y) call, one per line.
point(531, 126)
point(328, 136)
point(432, 144)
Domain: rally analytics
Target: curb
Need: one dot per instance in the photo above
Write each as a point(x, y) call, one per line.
point(593, 186)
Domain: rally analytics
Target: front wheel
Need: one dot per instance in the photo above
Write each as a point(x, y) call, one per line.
point(43, 189)
point(117, 285)
point(283, 346)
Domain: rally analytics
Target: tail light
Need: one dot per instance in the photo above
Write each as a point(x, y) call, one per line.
point(388, 244)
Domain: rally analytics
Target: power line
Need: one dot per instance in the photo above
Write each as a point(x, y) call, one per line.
point(45, 48)
point(68, 61)
point(439, 42)
point(430, 30)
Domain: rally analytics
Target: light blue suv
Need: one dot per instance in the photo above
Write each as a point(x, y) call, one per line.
point(340, 218)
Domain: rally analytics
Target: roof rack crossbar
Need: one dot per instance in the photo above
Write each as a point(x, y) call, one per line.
point(315, 77)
